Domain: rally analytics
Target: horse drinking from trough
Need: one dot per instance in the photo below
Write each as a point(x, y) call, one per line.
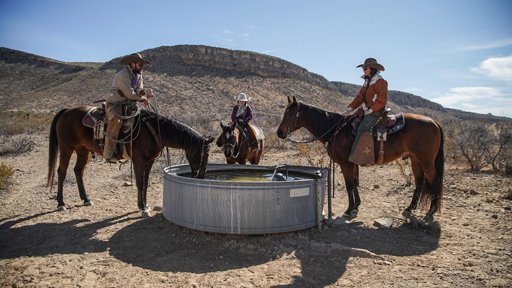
point(421, 139)
point(237, 147)
point(68, 135)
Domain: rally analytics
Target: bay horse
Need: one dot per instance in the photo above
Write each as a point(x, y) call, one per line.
point(422, 139)
point(236, 147)
point(68, 135)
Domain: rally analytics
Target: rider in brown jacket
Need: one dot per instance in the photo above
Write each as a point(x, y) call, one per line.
point(373, 94)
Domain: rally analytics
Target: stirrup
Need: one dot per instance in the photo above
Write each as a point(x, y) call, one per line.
point(112, 160)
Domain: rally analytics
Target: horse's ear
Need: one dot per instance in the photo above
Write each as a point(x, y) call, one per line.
point(294, 99)
point(221, 125)
point(233, 126)
point(209, 139)
point(289, 100)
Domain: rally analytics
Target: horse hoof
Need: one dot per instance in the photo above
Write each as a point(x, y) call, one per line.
point(406, 214)
point(61, 208)
point(88, 203)
point(145, 213)
point(428, 219)
point(346, 216)
point(354, 213)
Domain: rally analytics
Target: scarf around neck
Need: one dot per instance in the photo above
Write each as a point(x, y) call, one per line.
point(374, 79)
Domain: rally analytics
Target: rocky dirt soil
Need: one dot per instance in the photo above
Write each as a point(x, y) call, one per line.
point(110, 245)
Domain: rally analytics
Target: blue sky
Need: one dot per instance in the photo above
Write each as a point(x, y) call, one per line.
point(454, 52)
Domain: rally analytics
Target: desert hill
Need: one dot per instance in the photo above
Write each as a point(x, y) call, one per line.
point(192, 83)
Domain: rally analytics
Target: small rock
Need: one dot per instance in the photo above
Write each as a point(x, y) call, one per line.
point(383, 223)
point(495, 216)
point(376, 186)
point(159, 207)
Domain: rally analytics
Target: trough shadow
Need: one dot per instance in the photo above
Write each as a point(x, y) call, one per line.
point(42, 239)
point(158, 245)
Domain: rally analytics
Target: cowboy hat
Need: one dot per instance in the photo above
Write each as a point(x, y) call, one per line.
point(242, 97)
point(133, 58)
point(371, 63)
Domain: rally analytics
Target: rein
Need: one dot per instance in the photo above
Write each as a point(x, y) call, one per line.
point(201, 160)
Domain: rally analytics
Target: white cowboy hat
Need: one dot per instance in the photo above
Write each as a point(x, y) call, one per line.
point(242, 97)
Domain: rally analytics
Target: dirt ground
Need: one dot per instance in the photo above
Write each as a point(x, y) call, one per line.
point(110, 245)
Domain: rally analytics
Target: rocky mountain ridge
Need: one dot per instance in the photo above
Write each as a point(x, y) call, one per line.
point(188, 79)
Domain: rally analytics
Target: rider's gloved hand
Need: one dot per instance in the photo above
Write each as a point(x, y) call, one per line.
point(148, 92)
point(347, 112)
point(369, 111)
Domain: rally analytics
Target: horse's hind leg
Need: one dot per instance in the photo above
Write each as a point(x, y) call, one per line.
point(419, 179)
point(81, 160)
point(61, 172)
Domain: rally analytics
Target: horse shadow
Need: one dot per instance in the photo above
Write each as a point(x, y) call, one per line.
point(158, 245)
point(42, 239)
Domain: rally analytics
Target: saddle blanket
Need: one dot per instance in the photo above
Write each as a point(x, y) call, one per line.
point(399, 125)
point(259, 132)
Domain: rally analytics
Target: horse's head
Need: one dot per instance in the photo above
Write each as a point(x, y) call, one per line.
point(290, 117)
point(198, 157)
point(228, 139)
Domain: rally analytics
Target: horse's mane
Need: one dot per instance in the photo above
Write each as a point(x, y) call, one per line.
point(321, 120)
point(181, 134)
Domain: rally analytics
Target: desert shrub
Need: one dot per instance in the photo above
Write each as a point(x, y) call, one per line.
point(405, 169)
point(6, 173)
point(480, 144)
point(13, 123)
point(16, 145)
point(474, 140)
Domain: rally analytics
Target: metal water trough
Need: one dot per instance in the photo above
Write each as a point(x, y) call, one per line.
point(244, 207)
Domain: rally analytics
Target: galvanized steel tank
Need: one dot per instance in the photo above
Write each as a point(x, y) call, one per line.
point(244, 207)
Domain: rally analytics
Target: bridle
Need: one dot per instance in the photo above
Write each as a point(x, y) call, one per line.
point(234, 145)
point(311, 140)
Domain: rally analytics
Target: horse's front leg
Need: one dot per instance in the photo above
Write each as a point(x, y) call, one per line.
point(141, 177)
point(349, 174)
point(81, 161)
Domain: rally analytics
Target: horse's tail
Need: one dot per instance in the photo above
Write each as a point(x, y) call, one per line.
point(439, 164)
point(432, 189)
point(53, 149)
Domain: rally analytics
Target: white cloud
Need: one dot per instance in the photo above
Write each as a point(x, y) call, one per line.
point(497, 68)
point(490, 45)
point(227, 31)
point(461, 96)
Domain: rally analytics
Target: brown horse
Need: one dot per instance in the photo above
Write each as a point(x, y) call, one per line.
point(68, 135)
point(422, 139)
point(236, 146)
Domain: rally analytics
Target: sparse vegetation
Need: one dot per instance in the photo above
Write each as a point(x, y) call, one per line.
point(6, 174)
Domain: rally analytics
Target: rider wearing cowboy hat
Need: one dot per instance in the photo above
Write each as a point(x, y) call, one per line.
point(126, 86)
point(241, 115)
point(373, 94)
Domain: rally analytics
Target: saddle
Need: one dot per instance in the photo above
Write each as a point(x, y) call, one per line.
point(387, 124)
point(95, 118)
